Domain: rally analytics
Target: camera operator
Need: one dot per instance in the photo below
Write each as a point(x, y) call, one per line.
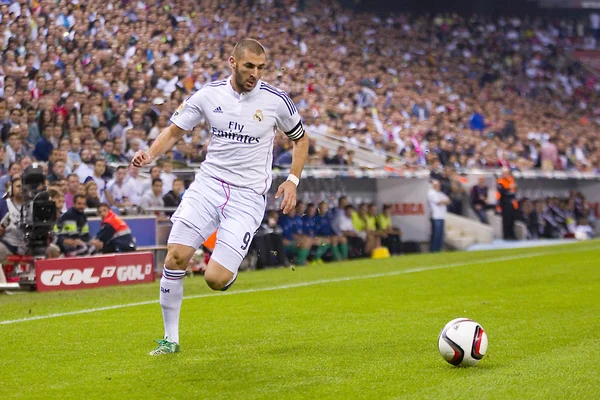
point(115, 235)
point(73, 230)
point(11, 236)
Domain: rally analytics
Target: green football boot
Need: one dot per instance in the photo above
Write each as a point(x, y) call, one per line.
point(165, 346)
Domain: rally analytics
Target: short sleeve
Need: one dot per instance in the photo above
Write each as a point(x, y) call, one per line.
point(189, 114)
point(288, 118)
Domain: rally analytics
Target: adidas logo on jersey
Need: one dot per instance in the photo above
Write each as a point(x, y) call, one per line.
point(218, 110)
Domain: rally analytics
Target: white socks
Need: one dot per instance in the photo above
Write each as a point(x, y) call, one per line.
point(171, 296)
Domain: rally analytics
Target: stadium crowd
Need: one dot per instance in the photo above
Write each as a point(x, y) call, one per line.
point(86, 84)
point(469, 92)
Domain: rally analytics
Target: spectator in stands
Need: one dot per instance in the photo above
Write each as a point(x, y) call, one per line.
point(117, 191)
point(11, 236)
point(91, 194)
point(479, 199)
point(173, 197)
point(391, 236)
point(296, 243)
point(58, 171)
point(98, 177)
point(167, 176)
point(136, 184)
point(72, 189)
point(13, 170)
point(154, 197)
point(86, 168)
point(350, 158)
point(44, 146)
point(155, 172)
point(73, 230)
point(114, 235)
point(549, 155)
point(14, 149)
point(438, 203)
point(324, 222)
point(340, 157)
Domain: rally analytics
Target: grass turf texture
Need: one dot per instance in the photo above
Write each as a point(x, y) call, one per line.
point(367, 331)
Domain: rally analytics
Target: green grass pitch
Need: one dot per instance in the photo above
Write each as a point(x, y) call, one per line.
point(357, 330)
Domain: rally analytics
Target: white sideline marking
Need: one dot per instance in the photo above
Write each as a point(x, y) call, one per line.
point(289, 286)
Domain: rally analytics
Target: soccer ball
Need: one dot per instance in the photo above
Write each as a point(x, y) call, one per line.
point(462, 342)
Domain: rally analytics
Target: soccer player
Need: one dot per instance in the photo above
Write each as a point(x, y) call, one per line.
point(229, 191)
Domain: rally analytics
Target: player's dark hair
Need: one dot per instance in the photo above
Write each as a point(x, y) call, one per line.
point(247, 44)
point(120, 167)
point(103, 205)
point(77, 197)
point(156, 180)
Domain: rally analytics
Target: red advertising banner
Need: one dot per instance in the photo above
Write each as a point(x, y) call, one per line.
point(94, 271)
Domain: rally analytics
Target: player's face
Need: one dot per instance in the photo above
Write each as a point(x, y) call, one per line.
point(248, 70)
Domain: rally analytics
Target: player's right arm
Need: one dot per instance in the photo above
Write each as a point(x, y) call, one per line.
point(185, 118)
point(163, 143)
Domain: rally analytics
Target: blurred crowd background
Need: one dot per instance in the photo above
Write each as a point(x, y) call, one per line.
point(84, 85)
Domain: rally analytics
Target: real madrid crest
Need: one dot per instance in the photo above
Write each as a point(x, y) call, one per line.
point(258, 116)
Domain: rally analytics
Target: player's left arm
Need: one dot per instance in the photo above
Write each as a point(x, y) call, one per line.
point(289, 121)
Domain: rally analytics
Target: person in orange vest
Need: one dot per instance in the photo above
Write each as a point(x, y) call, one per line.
point(506, 192)
point(114, 236)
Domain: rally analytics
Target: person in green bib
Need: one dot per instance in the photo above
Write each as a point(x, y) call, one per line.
point(391, 236)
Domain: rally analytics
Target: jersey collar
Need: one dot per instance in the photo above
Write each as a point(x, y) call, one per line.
point(243, 95)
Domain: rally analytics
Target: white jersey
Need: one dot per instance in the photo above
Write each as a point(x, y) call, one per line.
point(243, 128)
point(118, 193)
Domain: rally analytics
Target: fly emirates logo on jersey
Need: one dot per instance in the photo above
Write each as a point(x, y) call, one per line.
point(235, 131)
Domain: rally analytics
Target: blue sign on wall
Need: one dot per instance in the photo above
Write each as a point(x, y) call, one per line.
point(143, 229)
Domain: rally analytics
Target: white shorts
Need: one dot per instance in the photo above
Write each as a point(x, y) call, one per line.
point(209, 204)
